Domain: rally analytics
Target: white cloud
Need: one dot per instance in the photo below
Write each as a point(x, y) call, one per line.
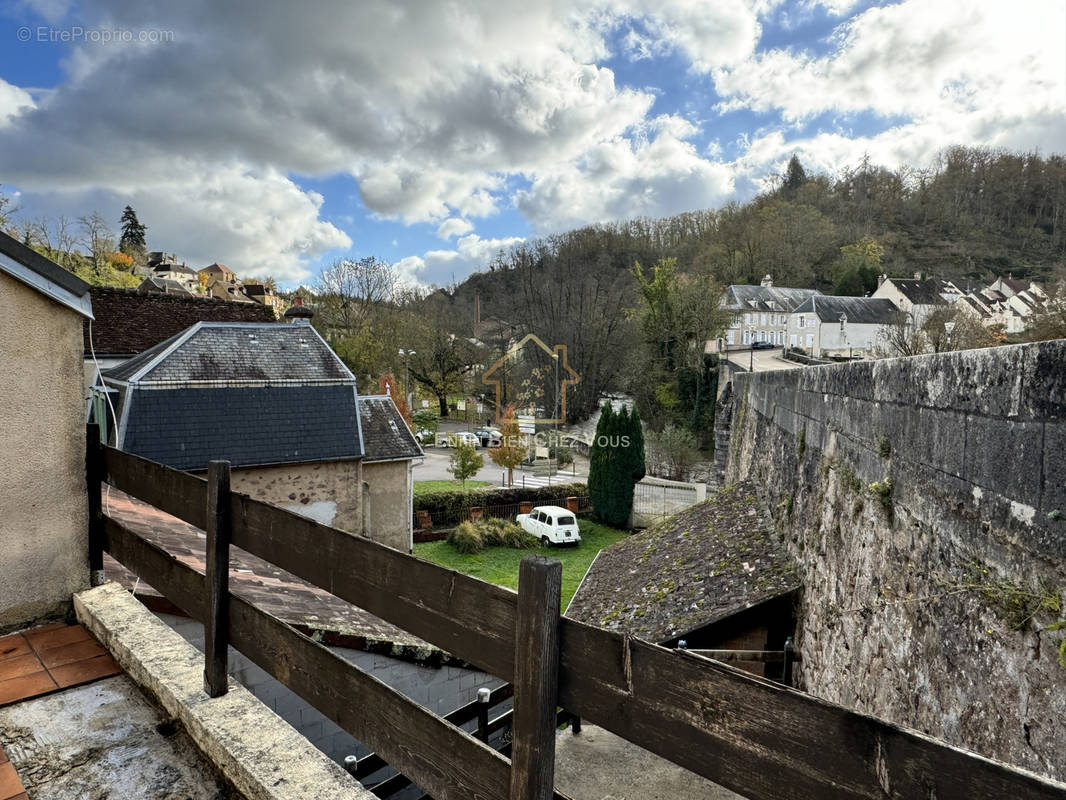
point(13, 101)
point(441, 267)
point(622, 179)
point(454, 226)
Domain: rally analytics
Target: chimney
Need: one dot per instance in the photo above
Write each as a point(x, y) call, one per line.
point(767, 281)
point(298, 313)
point(881, 279)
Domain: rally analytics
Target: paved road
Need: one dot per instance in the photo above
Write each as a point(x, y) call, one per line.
point(435, 468)
point(765, 360)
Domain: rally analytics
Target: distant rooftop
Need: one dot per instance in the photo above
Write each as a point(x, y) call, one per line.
point(386, 436)
point(862, 310)
point(128, 322)
point(920, 291)
point(766, 298)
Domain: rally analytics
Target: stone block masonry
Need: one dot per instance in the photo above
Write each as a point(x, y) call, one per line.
point(925, 500)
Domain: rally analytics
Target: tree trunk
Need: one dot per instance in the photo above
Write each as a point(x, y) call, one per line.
point(443, 400)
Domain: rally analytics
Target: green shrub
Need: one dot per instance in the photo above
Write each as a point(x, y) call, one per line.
point(473, 537)
point(455, 503)
point(467, 539)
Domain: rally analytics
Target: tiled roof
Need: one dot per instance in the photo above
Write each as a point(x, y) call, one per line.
point(163, 286)
point(766, 298)
point(128, 323)
point(922, 292)
point(706, 563)
point(234, 353)
point(386, 436)
point(249, 426)
point(860, 310)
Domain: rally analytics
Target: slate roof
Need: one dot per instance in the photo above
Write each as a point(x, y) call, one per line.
point(386, 436)
point(30, 267)
point(249, 426)
point(164, 286)
point(236, 353)
point(859, 310)
point(706, 563)
point(167, 267)
point(128, 323)
point(922, 292)
point(759, 298)
point(251, 393)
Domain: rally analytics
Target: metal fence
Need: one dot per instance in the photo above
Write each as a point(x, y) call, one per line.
point(662, 500)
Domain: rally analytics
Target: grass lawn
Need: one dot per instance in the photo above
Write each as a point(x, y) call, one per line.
point(425, 487)
point(500, 564)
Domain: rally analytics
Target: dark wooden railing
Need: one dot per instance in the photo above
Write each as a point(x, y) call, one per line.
point(751, 735)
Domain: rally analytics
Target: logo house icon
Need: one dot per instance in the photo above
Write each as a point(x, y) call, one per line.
point(532, 375)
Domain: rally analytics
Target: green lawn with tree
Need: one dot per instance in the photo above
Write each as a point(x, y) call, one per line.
point(499, 565)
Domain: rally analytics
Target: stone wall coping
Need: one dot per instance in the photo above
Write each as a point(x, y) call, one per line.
point(262, 755)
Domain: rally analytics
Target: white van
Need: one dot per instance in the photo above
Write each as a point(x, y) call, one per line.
point(551, 524)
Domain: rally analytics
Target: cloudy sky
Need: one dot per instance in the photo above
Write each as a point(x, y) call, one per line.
point(275, 138)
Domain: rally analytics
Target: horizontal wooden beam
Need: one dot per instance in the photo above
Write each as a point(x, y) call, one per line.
point(464, 616)
point(760, 739)
point(442, 759)
point(178, 493)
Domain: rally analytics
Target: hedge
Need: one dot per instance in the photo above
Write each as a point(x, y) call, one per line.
point(454, 503)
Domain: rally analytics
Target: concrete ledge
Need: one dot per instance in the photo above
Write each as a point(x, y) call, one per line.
point(260, 753)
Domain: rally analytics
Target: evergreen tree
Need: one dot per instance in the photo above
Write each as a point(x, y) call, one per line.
point(599, 460)
point(132, 241)
point(795, 175)
point(616, 463)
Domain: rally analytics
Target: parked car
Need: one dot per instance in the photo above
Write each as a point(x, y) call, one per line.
point(489, 437)
point(551, 524)
point(763, 346)
point(424, 436)
point(462, 437)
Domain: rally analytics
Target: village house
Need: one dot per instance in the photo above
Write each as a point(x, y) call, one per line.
point(151, 285)
point(43, 506)
point(916, 297)
point(276, 402)
point(826, 326)
point(761, 313)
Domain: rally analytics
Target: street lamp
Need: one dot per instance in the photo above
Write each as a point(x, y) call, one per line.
point(407, 374)
point(751, 354)
point(843, 332)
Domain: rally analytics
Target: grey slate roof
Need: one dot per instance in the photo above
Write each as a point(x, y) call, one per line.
point(251, 393)
point(760, 298)
point(248, 426)
point(860, 310)
point(386, 436)
point(164, 286)
point(692, 569)
point(234, 353)
point(922, 292)
point(30, 267)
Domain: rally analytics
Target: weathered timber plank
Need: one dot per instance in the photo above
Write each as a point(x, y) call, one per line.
point(445, 761)
point(216, 623)
point(762, 740)
point(173, 491)
point(536, 679)
point(467, 617)
point(180, 584)
point(94, 476)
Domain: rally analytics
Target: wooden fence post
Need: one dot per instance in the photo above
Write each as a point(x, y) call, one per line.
point(94, 476)
point(216, 624)
point(536, 682)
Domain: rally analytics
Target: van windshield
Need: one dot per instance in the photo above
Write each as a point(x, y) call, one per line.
point(565, 521)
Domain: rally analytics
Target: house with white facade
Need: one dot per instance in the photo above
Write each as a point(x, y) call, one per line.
point(760, 313)
point(917, 297)
point(825, 326)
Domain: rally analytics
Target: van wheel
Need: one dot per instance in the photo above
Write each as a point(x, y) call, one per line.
point(544, 541)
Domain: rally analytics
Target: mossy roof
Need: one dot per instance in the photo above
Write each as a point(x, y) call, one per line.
point(694, 568)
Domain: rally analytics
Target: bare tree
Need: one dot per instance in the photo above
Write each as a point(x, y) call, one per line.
point(350, 290)
point(97, 238)
point(8, 208)
point(902, 337)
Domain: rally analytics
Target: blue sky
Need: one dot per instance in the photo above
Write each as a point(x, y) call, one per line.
point(434, 135)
